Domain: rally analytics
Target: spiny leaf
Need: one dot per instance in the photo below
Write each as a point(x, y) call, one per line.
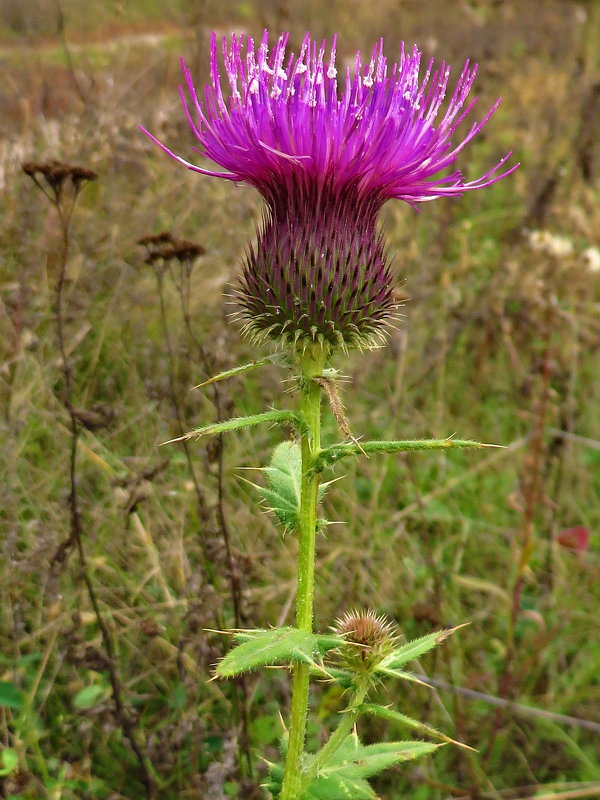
point(286, 513)
point(401, 675)
point(278, 358)
point(328, 641)
point(338, 787)
point(355, 760)
point(261, 648)
point(330, 455)
point(342, 677)
point(269, 417)
point(408, 722)
point(415, 649)
point(284, 475)
point(323, 642)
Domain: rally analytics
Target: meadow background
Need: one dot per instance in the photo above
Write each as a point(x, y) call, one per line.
point(500, 342)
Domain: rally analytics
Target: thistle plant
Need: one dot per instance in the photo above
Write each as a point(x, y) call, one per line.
point(326, 155)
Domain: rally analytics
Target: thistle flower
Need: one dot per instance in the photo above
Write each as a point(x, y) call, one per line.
point(326, 157)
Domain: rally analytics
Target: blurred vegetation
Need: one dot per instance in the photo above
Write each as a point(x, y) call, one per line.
point(500, 342)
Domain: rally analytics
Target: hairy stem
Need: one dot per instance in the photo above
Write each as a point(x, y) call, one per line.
point(310, 405)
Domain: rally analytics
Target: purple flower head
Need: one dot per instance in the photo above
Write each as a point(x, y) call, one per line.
point(326, 156)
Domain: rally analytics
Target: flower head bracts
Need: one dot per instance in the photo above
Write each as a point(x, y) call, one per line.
point(319, 271)
point(286, 116)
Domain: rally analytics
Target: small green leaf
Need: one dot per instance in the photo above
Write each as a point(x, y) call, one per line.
point(284, 476)
point(269, 417)
point(10, 761)
point(330, 455)
point(408, 722)
point(11, 696)
point(278, 358)
point(415, 649)
point(279, 646)
point(89, 696)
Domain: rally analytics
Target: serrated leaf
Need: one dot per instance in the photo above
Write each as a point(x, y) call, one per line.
point(284, 476)
point(262, 648)
point(328, 641)
point(415, 649)
point(355, 760)
point(338, 787)
point(230, 373)
point(402, 719)
point(401, 675)
point(11, 696)
point(89, 696)
point(267, 417)
point(333, 454)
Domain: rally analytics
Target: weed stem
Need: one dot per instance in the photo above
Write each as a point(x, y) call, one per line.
point(310, 405)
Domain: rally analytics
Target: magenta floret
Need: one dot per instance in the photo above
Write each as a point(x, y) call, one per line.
point(286, 115)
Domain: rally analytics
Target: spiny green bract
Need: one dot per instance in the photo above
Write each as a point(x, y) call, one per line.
point(319, 272)
point(345, 776)
point(284, 478)
point(260, 648)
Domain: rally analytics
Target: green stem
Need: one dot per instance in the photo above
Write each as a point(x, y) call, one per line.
point(311, 366)
point(339, 735)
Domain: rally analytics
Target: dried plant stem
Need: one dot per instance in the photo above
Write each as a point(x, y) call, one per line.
point(310, 406)
point(232, 570)
point(76, 532)
point(234, 578)
point(532, 495)
point(201, 499)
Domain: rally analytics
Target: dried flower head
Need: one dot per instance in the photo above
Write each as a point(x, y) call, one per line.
point(163, 247)
point(56, 176)
point(370, 638)
point(326, 157)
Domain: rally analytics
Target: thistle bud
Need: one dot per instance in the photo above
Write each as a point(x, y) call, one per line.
point(370, 637)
